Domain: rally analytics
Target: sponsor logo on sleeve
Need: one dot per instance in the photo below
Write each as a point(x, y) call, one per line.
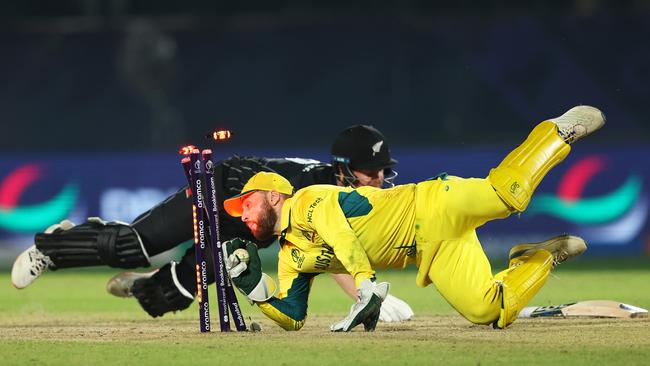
point(310, 210)
point(297, 257)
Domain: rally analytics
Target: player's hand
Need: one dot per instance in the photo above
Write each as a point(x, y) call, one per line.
point(395, 310)
point(366, 310)
point(234, 266)
point(248, 278)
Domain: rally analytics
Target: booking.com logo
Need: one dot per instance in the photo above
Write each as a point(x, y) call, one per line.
point(27, 218)
point(613, 218)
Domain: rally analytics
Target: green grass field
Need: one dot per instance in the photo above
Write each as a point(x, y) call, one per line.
point(67, 318)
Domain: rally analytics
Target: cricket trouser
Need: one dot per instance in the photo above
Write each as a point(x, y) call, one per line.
point(448, 211)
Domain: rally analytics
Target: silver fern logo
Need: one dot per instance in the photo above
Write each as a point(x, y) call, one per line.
point(376, 147)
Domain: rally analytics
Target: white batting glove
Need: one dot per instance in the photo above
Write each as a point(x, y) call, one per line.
point(395, 310)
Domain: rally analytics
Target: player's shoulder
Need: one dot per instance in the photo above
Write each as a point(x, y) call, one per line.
point(316, 193)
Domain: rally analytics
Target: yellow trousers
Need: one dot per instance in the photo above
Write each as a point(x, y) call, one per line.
point(448, 212)
point(449, 253)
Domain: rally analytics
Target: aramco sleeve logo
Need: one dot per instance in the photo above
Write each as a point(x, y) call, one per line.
point(35, 217)
point(616, 217)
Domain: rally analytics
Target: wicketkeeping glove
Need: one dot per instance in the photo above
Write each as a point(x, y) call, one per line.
point(366, 310)
point(248, 278)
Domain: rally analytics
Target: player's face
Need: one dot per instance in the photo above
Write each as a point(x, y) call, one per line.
point(258, 215)
point(374, 178)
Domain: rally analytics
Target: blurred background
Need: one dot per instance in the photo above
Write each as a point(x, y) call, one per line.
point(96, 96)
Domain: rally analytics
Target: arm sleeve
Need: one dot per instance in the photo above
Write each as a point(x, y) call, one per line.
point(329, 221)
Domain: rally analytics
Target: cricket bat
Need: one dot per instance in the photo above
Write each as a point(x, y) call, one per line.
point(591, 309)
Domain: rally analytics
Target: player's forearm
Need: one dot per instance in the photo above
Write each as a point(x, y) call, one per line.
point(288, 316)
point(346, 282)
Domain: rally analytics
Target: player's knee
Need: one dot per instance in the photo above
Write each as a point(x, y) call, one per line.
point(512, 188)
point(479, 308)
point(482, 313)
point(297, 325)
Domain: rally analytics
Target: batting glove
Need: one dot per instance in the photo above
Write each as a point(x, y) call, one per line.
point(395, 310)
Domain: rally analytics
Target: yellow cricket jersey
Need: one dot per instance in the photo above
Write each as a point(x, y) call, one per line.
point(341, 230)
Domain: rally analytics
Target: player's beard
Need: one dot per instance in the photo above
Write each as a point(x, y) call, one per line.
point(266, 223)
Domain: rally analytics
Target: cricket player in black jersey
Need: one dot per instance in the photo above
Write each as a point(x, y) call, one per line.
point(360, 157)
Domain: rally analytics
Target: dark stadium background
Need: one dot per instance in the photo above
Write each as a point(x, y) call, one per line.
point(87, 85)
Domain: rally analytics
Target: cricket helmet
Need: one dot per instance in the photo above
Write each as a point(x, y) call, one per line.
point(362, 147)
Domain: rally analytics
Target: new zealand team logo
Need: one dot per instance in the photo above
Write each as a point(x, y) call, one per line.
point(18, 217)
point(616, 217)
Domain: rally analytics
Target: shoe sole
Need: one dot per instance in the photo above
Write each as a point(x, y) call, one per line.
point(117, 284)
point(12, 275)
point(562, 248)
point(15, 269)
point(590, 118)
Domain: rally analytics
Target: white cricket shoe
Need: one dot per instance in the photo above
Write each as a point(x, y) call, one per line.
point(579, 122)
point(120, 285)
point(31, 263)
point(562, 248)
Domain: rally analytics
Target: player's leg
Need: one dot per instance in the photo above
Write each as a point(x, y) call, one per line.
point(459, 268)
point(166, 225)
point(173, 287)
point(65, 245)
point(167, 289)
point(468, 203)
point(520, 283)
point(96, 242)
point(517, 176)
point(462, 275)
point(449, 253)
point(161, 291)
point(452, 207)
point(530, 265)
point(461, 272)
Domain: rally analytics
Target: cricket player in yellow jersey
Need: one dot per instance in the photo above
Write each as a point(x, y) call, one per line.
point(431, 224)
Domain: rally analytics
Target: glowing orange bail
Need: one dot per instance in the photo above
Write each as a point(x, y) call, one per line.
point(186, 150)
point(220, 135)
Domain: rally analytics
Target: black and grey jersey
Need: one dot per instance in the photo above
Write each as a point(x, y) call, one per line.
point(170, 222)
point(235, 171)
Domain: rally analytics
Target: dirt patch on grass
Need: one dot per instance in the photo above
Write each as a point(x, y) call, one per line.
point(452, 329)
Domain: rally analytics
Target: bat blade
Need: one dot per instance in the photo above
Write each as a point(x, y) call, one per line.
point(590, 309)
point(604, 309)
